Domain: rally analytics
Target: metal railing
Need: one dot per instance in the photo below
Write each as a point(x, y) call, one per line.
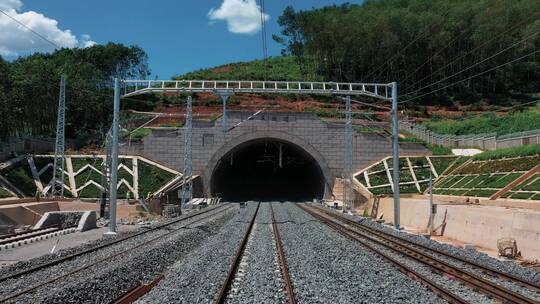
point(484, 141)
point(137, 87)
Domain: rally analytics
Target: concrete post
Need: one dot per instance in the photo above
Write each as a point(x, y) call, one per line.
point(114, 158)
point(395, 152)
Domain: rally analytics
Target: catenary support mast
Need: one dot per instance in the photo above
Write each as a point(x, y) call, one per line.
point(395, 153)
point(187, 185)
point(57, 183)
point(114, 158)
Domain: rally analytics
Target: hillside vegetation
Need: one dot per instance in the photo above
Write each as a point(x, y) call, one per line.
point(281, 68)
point(442, 53)
point(488, 123)
point(29, 89)
point(424, 45)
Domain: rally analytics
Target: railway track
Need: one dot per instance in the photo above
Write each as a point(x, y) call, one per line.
point(15, 237)
point(107, 258)
point(19, 234)
point(282, 260)
point(225, 291)
point(374, 240)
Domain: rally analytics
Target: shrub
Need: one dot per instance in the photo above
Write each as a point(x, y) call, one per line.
point(4, 193)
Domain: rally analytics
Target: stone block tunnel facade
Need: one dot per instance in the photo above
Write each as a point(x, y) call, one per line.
point(279, 155)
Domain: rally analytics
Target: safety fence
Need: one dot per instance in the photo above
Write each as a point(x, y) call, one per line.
point(486, 141)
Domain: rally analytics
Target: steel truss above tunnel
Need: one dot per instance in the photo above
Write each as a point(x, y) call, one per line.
point(375, 90)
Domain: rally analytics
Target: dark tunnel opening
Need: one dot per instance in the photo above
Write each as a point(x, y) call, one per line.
point(268, 170)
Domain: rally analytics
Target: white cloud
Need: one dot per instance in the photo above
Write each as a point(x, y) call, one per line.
point(16, 39)
point(10, 4)
point(86, 41)
point(242, 16)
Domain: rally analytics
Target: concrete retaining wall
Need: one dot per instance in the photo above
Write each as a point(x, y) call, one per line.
point(474, 224)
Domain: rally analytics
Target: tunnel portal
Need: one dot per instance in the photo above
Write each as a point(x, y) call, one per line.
point(268, 170)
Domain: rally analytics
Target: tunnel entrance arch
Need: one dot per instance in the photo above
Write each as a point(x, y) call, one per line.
point(250, 167)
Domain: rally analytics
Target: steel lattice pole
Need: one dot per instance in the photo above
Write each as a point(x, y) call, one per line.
point(395, 153)
point(57, 183)
point(348, 165)
point(187, 185)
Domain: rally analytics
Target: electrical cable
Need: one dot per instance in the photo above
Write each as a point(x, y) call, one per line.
point(476, 64)
point(31, 30)
point(471, 51)
point(471, 77)
point(386, 64)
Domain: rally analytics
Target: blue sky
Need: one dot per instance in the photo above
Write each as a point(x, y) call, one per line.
point(178, 35)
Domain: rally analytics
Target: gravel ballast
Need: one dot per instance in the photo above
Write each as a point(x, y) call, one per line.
point(260, 280)
point(118, 274)
point(198, 278)
point(327, 268)
point(528, 274)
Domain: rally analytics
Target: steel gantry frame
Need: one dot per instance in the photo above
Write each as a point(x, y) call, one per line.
point(226, 88)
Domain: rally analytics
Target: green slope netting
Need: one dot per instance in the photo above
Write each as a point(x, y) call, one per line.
point(483, 178)
point(151, 178)
point(379, 183)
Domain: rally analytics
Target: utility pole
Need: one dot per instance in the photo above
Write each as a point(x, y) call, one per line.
point(347, 172)
point(57, 183)
point(187, 185)
point(114, 158)
point(395, 153)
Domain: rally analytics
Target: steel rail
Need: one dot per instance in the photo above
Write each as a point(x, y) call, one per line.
point(407, 270)
point(222, 296)
point(90, 250)
point(282, 260)
point(138, 291)
point(105, 259)
point(8, 238)
point(482, 285)
point(401, 240)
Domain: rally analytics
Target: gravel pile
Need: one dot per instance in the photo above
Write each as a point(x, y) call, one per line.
point(327, 268)
point(260, 281)
point(198, 277)
point(528, 274)
point(119, 274)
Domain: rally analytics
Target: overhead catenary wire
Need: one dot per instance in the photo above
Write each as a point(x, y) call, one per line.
point(471, 77)
point(487, 42)
point(396, 56)
point(30, 29)
point(474, 65)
